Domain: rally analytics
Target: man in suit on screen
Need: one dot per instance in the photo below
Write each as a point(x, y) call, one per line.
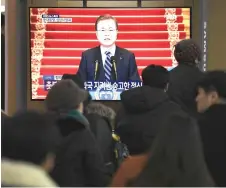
point(108, 62)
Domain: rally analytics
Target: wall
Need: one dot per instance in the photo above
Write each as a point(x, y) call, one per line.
point(10, 57)
point(216, 34)
point(3, 6)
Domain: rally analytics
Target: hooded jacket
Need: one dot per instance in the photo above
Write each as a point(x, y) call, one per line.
point(146, 110)
point(79, 162)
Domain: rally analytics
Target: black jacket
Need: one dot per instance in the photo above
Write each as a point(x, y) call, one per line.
point(146, 110)
point(182, 87)
point(213, 133)
point(78, 160)
point(102, 131)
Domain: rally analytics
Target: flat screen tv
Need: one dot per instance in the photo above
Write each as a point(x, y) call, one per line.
point(108, 57)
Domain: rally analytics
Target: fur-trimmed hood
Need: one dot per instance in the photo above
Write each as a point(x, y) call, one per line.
point(15, 173)
point(101, 110)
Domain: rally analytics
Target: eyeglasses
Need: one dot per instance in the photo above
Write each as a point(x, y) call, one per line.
point(107, 30)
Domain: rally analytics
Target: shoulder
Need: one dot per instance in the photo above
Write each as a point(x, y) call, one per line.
point(125, 51)
point(82, 135)
point(170, 108)
point(91, 51)
point(185, 69)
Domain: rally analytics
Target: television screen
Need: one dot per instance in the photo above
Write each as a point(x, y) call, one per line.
point(106, 47)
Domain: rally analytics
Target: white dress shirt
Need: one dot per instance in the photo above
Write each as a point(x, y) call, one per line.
point(103, 50)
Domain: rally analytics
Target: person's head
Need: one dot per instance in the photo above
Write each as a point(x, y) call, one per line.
point(211, 89)
point(155, 76)
point(106, 28)
point(176, 157)
point(187, 52)
point(3, 24)
point(75, 78)
point(65, 96)
point(30, 137)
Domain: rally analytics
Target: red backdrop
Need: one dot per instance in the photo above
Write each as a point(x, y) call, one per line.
point(56, 48)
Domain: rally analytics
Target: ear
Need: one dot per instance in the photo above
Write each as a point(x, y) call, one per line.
point(116, 32)
point(81, 107)
point(49, 162)
point(214, 95)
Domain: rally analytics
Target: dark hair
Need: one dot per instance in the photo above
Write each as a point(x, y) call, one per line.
point(155, 76)
point(214, 81)
point(29, 136)
point(2, 20)
point(187, 52)
point(176, 158)
point(105, 17)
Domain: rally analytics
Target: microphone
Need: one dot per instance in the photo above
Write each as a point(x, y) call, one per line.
point(113, 60)
point(96, 69)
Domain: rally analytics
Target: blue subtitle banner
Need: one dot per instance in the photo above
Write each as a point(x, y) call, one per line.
point(97, 90)
point(52, 77)
point(118, 86)
point(109, 91)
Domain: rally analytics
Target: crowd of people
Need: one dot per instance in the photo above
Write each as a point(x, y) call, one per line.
point(170, 132)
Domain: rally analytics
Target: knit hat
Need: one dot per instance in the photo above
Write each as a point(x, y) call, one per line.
point(187, 52)
point(75, 78)
point(65, 96)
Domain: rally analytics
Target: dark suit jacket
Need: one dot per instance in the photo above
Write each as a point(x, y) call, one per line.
point(125, 65)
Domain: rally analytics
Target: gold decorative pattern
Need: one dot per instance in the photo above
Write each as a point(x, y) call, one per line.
point(186, 21)
point(37, 51)
point(173, 33)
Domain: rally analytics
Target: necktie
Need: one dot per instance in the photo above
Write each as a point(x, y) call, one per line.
point(108, 67)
